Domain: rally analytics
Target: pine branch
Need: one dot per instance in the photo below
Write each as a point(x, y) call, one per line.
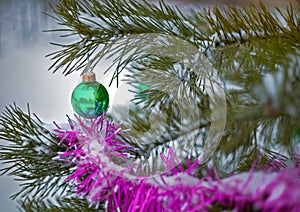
point(250, 127)
point(28, 153)
point(248, 122)
point(242, 43)
point(255, 22)
point(59, 204)
point(99, 26)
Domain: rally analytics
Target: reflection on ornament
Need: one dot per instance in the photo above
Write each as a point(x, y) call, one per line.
point(90, 98)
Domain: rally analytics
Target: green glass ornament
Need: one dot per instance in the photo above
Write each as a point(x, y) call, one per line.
point(90, 98)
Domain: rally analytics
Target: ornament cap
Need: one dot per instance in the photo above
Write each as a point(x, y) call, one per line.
point(89, 77)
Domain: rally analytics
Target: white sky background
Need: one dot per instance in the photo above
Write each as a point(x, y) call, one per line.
point(23, 68)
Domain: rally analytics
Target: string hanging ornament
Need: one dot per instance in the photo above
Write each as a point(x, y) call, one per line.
point(90, 98)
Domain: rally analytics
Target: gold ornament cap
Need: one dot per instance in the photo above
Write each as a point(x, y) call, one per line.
point(89, 77)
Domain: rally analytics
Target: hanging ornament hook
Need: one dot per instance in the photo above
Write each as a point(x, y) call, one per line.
point(88, 75)
point(88, 67)
point(90, 98)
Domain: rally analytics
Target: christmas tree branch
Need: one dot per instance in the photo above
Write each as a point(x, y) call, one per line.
point(249, 117)
point(239, 25)
point(240, 42)
point(58, 204)
point(28, 153)
point(99, 25)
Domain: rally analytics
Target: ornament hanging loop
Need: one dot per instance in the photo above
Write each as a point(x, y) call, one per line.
point(88, 75)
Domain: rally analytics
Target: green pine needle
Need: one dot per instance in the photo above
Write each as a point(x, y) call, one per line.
point(28, 154)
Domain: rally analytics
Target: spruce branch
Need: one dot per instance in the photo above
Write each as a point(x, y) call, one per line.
point(28, 153)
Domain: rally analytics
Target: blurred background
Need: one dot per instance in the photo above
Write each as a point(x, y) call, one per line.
point(23, 69)
point(23, 66)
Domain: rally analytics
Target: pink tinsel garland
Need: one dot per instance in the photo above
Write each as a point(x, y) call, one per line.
point(93, 147)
